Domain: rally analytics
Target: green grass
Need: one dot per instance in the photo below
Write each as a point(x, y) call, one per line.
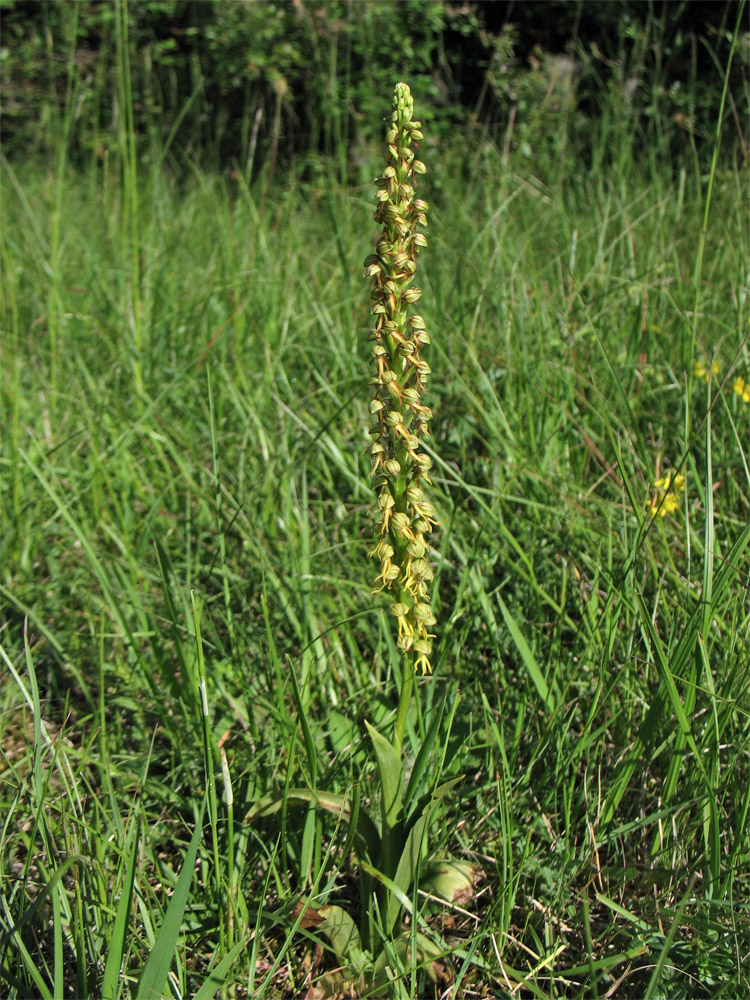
point(185, 529)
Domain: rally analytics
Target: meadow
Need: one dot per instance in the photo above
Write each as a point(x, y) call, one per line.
point(189, 629)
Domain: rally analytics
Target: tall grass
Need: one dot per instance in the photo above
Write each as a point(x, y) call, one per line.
point(187, 622)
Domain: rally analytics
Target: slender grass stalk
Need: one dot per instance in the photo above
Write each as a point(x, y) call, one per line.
point(11, 420)
point(400, 418)
point(55, 307)
point(219, 509)
point(130, 186)
point(687, 360)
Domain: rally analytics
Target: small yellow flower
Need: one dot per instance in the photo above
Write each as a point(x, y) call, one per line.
point(660, 506)
point(670, 481)
point(742, 389)
point(701, 371)
point(665, 499)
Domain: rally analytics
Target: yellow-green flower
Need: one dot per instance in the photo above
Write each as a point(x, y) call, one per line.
point(742, 389)
point(400, 418)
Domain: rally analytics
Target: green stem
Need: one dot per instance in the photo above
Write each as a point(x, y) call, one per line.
point(404, 700)
point(688, 358)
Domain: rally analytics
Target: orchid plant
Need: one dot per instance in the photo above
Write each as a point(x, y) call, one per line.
point(392, 854)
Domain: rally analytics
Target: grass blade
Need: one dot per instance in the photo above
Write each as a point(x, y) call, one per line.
point(529, 661)
point(155, 971)
point(118, 938)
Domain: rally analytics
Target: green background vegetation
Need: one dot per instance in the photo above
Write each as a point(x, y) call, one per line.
point(230, 85)
point(186, 203)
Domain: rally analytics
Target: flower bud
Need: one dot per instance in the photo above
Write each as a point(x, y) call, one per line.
point(423, 613)
point(420, 567)
point(416, 548)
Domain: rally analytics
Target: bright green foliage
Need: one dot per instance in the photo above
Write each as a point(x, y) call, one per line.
point(250, 83)
point(186, 620)
point(390, 857)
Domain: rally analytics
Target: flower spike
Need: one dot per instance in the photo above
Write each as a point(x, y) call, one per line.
point(400, 418)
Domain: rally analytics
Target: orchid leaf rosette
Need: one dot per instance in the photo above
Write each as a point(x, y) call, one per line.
point(400, 467)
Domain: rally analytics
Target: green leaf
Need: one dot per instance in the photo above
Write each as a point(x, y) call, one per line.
point(367, 839)
point(116, 943)
point(662, 661)
point(449, 879)
point(408, 867)
point(391, 772)
point(156, 969)
point(342, 932)
point(425, 751)
point(218, 976)
point(312, 761)
point(527, 656)
point(29, 960)
point(429, 798)
point(407, 870)
point(398, 958)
